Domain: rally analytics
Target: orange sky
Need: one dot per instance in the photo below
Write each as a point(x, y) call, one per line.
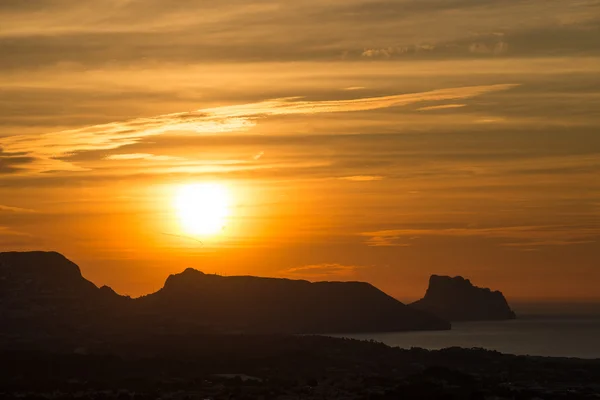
point(358, 139)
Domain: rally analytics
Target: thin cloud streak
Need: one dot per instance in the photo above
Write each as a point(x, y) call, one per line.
point(17, 210)
point(47, 148)
point(141, 156)
point(516, 236)
point(362, 178)
point(322, 271)
point(7, 231)
point(441, 107)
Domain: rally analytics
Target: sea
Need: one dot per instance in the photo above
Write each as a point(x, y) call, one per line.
point(576, 335)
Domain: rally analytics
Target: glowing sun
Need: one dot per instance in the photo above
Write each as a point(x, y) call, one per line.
point(202, 208)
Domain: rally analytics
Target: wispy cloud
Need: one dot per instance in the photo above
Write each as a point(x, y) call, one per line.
point(141, 156)
point(18, 210)
point(294, 105)
point(389, 52)
point(362, 178)
point(322, 271)
point(156, 32)
point(386, 239)
point(47, 148)
point(441, 107)
point(8, 231)
point(499, 47)
point(12, 162)
point(512, 236)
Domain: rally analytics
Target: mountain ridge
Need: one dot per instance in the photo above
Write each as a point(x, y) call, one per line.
point(47, 290)
point(284, 305)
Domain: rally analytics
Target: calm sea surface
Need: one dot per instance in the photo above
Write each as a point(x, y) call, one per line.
point(533, 335)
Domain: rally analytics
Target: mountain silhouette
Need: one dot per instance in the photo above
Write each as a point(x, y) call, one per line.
point(457, 299)
point(47, 278)
point(45, 294)
point(252, 304)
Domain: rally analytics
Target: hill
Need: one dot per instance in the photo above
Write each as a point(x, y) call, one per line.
point(260, 305)
point(288, 367)
point(457, 299)
point(44, 294)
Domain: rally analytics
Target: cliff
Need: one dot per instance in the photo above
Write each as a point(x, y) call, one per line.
point(457, 299)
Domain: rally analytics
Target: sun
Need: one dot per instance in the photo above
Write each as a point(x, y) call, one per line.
point(202, 208)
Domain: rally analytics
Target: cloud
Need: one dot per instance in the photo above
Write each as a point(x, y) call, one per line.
point(141, 156)
point(190, 32)
point(511, 236)
point(362, 178)
point(7, 231)
point(549, 39)
point(49, 149)
point(390, 52)
point(387, 239)
point(322, 271)
point(499, 47)
point(12, 162)
point(258, 155)
point(14, 239)
point(291, 106)
point(481, 45)
point(17, 210)
point(441, 107)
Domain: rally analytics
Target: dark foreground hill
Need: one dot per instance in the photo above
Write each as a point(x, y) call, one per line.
point(44, 294)
point(457, 299)
point(288, 367)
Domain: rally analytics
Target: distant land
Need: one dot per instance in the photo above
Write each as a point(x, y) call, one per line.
point(43, 293)
point(457, 299)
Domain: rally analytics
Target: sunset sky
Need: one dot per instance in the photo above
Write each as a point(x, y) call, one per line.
point(376, 140)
